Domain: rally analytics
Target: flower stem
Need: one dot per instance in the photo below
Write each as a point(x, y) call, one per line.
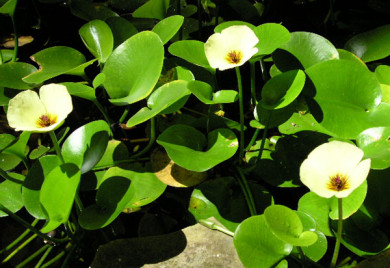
point(247, 192)
point(253, 84)
point(241, 100)
point(13, 253)
point(16, 45)
point(124, 115)
point(151, 140)
point(265, 131)
point(338, 237)
point(56, 146)
point(44, 256)
point(33, 256)
point(17, 240)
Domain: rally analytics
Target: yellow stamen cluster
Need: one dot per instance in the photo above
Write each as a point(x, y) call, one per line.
point(338, 183)
point(46, 120)
point(234, 57)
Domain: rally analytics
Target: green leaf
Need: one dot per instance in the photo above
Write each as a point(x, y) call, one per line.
point(38, 152)
point(121, 28)
point(55, 61)
point(347, 94)
point(87, 10)
point(271, 36)
point(185, 144)
point(382, 72)
point(191, 51)
point(98, 38)
point(205, 93)
point(161, 99)
point(32, 184)
point(128, 186)
point(375, 144)
point(302, 122)
point(129, 58)
point(256, 245)
point(168, 27)
point(11, 194)
point(11, 75)
point(303, 51)
point(282, 89)
point(58, 193)
point(222, 199)
point(153, 9)
point(285, 224)
point(115, 151)
point(80, 90)
point(86, 145)
point(371, 45)
point(8, 8)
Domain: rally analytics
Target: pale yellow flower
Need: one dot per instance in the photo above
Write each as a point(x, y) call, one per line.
point(232, 47)
point(29, 112)
point(334, 169)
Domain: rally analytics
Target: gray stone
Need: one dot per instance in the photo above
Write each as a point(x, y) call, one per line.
point(194, 246)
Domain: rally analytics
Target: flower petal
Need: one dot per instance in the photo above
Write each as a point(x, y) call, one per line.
point(57, 101)
point(240, 37)
point(24, 110)
point(216, 50)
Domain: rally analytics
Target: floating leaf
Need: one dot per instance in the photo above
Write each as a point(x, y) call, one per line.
point(86, 145)
point(347, 93)
point(152, 9)
point(256, 245)
point(371, 45)
point(304, 50)
point(33, 183)
point(55, 61)
point(98, 38)
point(58, 193)
point(128, 78)
point(161, 99)
point(185, 144)
point(11, 75)
point(285, 224)
point(282, 89)
point(11, 194)
point(168, 27)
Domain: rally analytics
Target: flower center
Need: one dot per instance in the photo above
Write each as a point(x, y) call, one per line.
point(234, 57)
point(338, 183)
point(46, 120)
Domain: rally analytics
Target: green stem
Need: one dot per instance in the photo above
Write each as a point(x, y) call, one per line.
point(264, 74)
point(32, 228)
point(151, 140)
point(253, 140)
point(16, 45)
point(124, 115)
point(265, 131)
point(20, 237)
point(13, 253)
point(33, 256)
point(303, 257)
point(247, 192)
point(241, 101)
point(43, 258)
point(53, 260)
point(56, 146)
point(103, 111)
point(338, 237)
point(8, 177)
point(1, 57)
point(253, 83)
point(214, 226)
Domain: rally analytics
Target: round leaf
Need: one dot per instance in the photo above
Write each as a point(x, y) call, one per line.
point(11, 195)
point(11, 75)
point(97, 37)
point(128, 77)
point(285, 224)
point(304, 50)
point(185, 144)
point(121, 28)
point(371, 45)
point(375, 144)
point(191, 51)
point(256, 245)
point(347, 94)
point(86, 145)
point(271, 36)
point(282, 89)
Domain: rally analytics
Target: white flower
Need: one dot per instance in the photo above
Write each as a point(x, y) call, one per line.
point(29, 112)
point(232, 47)
point(334, 169)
